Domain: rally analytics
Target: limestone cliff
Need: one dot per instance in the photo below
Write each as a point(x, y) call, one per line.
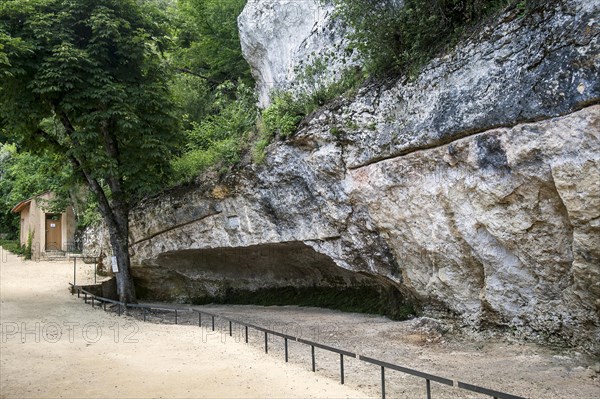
point(284, 39)
point(474, 188)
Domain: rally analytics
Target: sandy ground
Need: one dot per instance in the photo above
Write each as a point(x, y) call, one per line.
point(54, 346)
point(185, 361)
point(506, 365)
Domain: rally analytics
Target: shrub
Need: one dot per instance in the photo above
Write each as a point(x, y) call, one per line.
point(12, 246)
point(399, 37)
point(283, 115)
point(287, 109)
point(27, 250)
point(219, 139)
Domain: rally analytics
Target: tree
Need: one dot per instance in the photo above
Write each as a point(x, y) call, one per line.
point(207, 56)
point(86, 79)
point(401, 36)
point(23, 175)
point(208, 42)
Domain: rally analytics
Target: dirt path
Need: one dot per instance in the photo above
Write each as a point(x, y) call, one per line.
point(53, 346)
point(527, 370)
point(184, 361)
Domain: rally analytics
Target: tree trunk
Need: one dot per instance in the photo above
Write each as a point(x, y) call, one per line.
point(119, 241)
point(125, 286)
point(114, 210)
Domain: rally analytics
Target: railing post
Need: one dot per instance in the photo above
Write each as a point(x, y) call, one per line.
point(266, 343)
point(85, 297)
point(175, 316)
point(213, 323)
point(230, 329)
point(246, 334)
point(119, 309)
point(75, 273)
point(382, 382)
point(342, 368)
point(200, 319)
point(286, 348)
point(428, 388)
point(144, 310)
point(312, 350)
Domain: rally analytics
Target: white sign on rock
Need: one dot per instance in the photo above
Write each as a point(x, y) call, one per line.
point(115, 265)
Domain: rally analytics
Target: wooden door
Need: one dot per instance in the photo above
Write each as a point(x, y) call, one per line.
point(53, 234)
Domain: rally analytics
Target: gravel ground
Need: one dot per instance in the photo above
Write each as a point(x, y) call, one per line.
point(54, 346)
point(32, 292)
point(424, 344)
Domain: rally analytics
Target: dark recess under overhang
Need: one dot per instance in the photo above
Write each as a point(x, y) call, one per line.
point(290, 273)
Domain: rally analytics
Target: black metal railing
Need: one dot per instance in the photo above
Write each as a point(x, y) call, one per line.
point(429, 378)
point(87, 260)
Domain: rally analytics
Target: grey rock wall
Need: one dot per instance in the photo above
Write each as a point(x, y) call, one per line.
point(474, 188)
point(522, 69)
point(281, 39)
point(503, 226)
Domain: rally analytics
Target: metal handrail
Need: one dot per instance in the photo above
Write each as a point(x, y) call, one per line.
point(384, 365)
point(485, 391)
point(406, 370)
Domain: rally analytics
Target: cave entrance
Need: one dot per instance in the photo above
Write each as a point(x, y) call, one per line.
point(270, 274)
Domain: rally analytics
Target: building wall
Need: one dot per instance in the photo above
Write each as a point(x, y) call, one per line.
point(25, 224)
point(33, 218)
point(69, 224)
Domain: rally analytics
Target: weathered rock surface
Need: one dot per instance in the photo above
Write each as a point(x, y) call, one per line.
point(503, 225)
point(475, 188)
point(523, 69)
point(281, 39)
point(502, 228)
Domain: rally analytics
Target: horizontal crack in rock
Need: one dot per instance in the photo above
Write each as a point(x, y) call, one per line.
point(176, 227)
point(472, 133)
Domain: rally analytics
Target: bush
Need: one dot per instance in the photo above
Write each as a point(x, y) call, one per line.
point(88, 212)
point(12, 246)
point(399, 39)
point(283, 115)
point(225, 152)
point(219, 139)
point(287, 110)
point(27, 250)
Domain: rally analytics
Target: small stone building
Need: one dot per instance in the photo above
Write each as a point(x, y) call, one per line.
point(51, 231)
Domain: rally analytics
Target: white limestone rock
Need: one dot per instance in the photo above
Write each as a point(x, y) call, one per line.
point(293, 45)
point(474, 188)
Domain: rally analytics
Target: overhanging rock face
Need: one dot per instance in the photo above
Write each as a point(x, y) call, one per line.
point(283, 273)
point(282, 38)
point(474, 187)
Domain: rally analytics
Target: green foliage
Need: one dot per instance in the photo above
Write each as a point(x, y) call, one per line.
point(208, 42)
point(28, 249)
point(221, 136)
point(283, 115)
point(87, 212)
point(259, 149)
point(194, 98)
point(400, 39)
point(12, 246)
point(287, 110)
point(24, 175)
point(90, 75)
point(213, 89)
